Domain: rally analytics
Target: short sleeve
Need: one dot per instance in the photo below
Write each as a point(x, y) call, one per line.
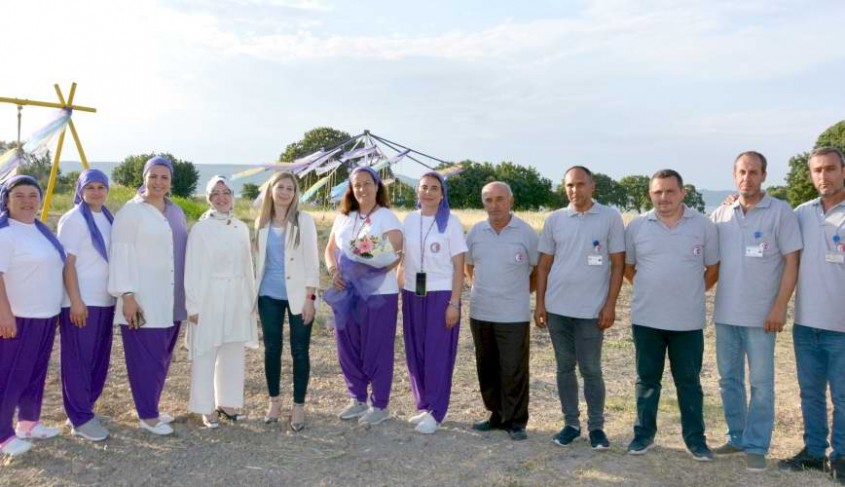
point(547, 241)
point(532, 242)
point(616, 242)
point(71, 233)
point(470, 237)
point(457, 244)
point(630, 247)
point(389, 221)
point(7, 249)
point(789, 233)
point(711, 243)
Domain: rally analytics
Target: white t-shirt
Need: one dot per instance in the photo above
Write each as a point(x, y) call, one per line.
point(92, 271)
point(432, 249)
point(32, 271)
point(381, 221)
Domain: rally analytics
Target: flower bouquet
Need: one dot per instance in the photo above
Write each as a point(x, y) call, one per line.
point(372, 250)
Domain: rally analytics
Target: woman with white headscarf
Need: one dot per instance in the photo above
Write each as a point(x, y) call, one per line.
point(219, 292)
point(88, 308)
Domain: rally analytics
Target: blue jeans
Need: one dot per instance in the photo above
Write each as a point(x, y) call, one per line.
point(749, 423)
point(578, 341)
point(820, 358)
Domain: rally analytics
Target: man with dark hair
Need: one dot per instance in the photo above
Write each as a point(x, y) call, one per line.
point(579, 274)
point(672, 258)
point(759, 241)
point(819, 331)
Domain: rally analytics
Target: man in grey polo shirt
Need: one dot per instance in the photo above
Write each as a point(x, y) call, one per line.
point(819, 331)
point(499, 265)
point(672, 258)
point(759, 241)
point(579, 274)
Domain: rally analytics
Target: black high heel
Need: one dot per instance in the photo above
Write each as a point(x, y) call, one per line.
point(230, 417)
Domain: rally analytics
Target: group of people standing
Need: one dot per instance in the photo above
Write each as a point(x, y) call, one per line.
point(142, 269)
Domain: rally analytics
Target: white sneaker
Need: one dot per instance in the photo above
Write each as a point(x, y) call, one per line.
point(415, 419)
point(165, 418)
point(355, 409)
point(37, 432)
point(161, 429)
point(374, 416)
point(15, 447)
point(92, 430)
point(428, 425)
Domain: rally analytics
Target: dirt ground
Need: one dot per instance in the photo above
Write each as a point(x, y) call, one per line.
point(331, 452)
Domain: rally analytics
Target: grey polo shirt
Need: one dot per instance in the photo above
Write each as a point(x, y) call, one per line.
point(669, 283)
point(581, 244)
point(752, 246)
point(503, 263)
point(820, 299)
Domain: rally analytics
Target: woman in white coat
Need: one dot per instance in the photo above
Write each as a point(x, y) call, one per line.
point(288, 273)
point(219, 295)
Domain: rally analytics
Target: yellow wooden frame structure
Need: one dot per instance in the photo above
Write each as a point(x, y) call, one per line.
point(67, 105)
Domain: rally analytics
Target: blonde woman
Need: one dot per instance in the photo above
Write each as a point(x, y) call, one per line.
point(288, 275)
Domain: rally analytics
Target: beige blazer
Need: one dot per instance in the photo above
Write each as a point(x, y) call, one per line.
point(302, 264)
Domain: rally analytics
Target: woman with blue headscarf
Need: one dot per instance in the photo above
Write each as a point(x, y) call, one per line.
point(432, 279)
point(31, 261)
point(146, 275)
point(88, 308)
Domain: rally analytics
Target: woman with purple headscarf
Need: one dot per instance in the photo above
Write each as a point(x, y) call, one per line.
point(146, 275)
point(88, 308)
point(432, 279)
point(362, 254)
point(31, 261)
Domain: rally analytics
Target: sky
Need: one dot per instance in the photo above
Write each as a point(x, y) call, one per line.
point(621, 86)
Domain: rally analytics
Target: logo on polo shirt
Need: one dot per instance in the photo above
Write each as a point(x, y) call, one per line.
point(764, 245)
point(434, 247)
point(697, 250)
point(519, 258)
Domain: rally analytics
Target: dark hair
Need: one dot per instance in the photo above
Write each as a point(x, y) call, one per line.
point(668, 173)
point(348, 203)
point(754, 153)
point(586, 171)
point(823, 151)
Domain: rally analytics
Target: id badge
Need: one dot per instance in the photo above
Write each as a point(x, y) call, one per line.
point(594, 259)
point(420, 288)
point(834, 258)
point(754, 251)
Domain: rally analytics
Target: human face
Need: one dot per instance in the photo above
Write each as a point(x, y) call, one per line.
point(94, 195)
point(827, 174)
point(364, 189)
point(497, 203)
point(667, 196)
point(221, 198)
point(24, 201)
point(157, 181)
point(430, 193)
point(284, 191)
point(749, 176)
point(579, 189)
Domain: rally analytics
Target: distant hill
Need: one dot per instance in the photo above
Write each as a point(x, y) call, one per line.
point(714, 198)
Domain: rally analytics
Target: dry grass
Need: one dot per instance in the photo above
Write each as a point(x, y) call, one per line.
point(332, 452)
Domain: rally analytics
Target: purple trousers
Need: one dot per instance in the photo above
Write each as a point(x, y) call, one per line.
point(23, 369)
point(430, 349)
point(148, 353)
point(365, 350)
point(85, 361)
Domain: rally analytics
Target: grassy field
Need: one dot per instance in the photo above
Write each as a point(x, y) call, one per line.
point(332, 452)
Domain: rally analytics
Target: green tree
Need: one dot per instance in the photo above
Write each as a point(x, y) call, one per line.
point(312, 141)
point(693, 198)
point(185, 175)
point(799, 187)
point(834, 136)
point(636, 189)
point(37, 166)
point(465, 188)
point(250, 191)
point(530, 190)
point(609, 191)
point(779, 192)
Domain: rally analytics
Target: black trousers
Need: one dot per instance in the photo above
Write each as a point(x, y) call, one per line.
point(501, 358)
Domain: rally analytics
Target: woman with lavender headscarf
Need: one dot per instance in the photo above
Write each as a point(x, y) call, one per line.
point(31, 261)
point(365, 296)
point(432, 278)
point(146, 274)
point(88, 308)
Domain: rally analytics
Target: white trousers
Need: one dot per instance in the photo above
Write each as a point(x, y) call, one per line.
point(217, 379)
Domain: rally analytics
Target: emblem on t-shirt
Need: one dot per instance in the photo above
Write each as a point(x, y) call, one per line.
point(697, 250)
point(764, 245)
point(519, 258)
point(435, 247)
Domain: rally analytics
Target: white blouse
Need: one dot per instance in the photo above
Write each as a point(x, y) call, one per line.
point(31, 270)
point(92, 271)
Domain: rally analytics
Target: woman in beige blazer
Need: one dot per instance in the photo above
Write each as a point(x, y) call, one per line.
point(288, 276)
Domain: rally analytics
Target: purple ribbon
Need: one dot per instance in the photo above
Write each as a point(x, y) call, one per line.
point(361, 282)
point(21, 180)
point(87, 177)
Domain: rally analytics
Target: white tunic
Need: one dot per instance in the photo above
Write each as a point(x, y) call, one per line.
point(349, 227)
point(31, 270)
point(141, 261)
point(92, 271)
point(219, 285)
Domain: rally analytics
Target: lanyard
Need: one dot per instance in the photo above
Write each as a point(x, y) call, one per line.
point(423, 239)
point(358, 216)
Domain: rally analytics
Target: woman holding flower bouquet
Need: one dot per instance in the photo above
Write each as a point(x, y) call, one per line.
point(362, 253)
point(432, 279)
point(288, 273)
